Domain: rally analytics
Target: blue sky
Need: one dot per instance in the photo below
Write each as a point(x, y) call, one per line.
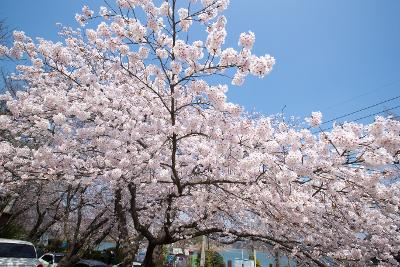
point(335, 56)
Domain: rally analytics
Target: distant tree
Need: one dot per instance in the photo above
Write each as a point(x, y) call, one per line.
point(160, 255)
point(12, 230)
point(258, 263)
point(214, 259)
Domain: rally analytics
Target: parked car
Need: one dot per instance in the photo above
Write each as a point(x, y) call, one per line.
point(51, 259)
point(18, 253)
point(90, 263)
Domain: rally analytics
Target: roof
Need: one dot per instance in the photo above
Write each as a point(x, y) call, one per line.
point(55, 254)
point(59, 254)
point(92, 262)
point(14, 241)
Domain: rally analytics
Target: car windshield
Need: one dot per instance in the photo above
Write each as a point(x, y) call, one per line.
point(57, 258)
point(12, 250)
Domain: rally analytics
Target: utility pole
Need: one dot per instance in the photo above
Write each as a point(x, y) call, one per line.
point(277, 264)
point(242, 259)
point(255, 257)
point(203, 252)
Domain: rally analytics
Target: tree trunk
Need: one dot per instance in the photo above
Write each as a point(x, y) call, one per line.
point(71, 257)
point(158, 255)
point(148, 259)
point(130, 250)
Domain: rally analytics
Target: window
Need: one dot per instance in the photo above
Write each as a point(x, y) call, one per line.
point(12, 250)
point(47, 258)
point(58, 258)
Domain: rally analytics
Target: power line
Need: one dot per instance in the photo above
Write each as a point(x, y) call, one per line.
point(354, 112)
point(377, 113)
point(361, 118)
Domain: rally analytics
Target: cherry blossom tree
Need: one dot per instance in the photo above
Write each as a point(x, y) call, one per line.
point(131, 102)
point(87, 220)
